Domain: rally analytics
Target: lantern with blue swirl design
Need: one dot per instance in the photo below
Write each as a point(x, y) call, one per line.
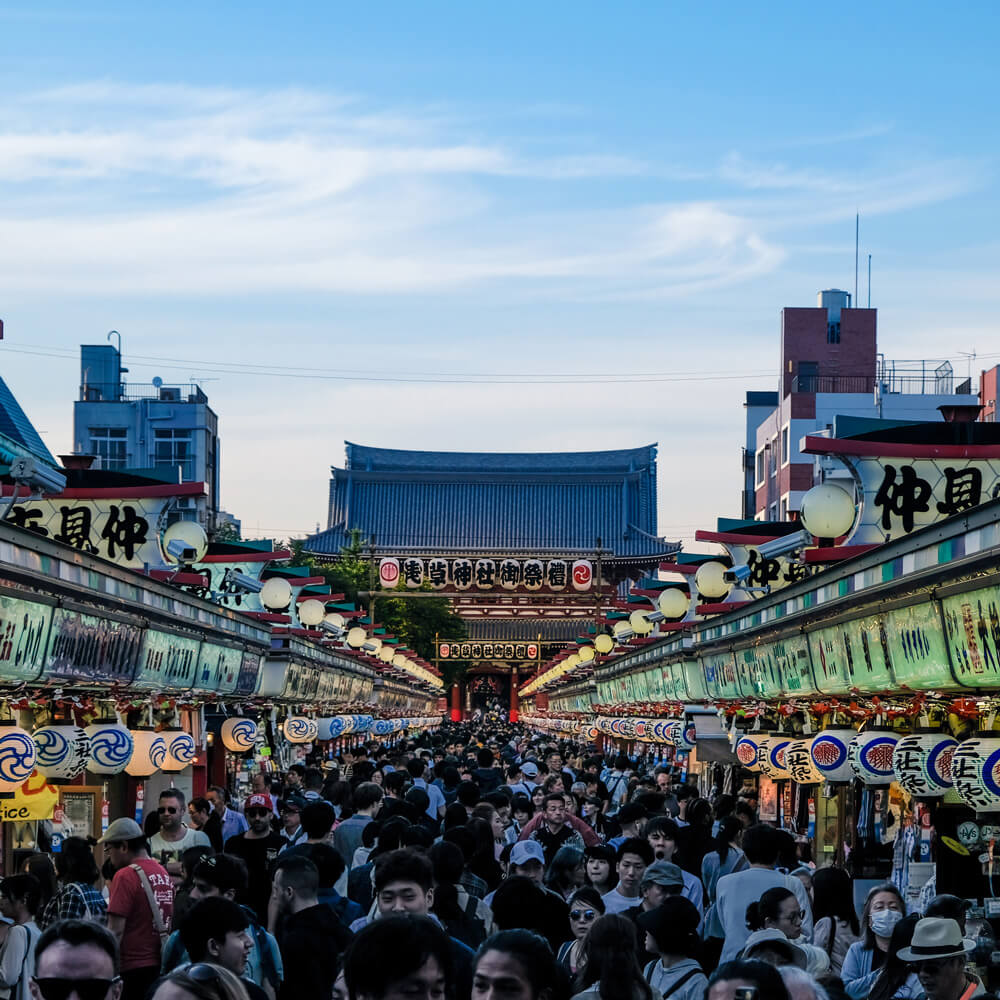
point(149, 754)
point(382, 727)
point(181, 750)
point(61, 751)
point(111, 747)
point(364, 724)
point(746, 750)
point(329, 728)
point(922, 763)
point(239, 734)
point(829, 754)
point(17, 758)
point(299, 729)
point(870, 754)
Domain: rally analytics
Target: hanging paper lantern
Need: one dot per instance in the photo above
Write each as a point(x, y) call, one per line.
point(149, 754)
point(922, 763)
point(239, 734)
point(746, 751)
point(276, 593)
point(975, 768)
point(17, 758)
point(61, 751)
point(829, 754)
point(382, 727)
point(870, 754)
point(800, 763)
point(364, 723)
point(111, 747)
point(329, 728)
point(684, 737)
point(771, 756)
point(299, 729)
point(181, 750)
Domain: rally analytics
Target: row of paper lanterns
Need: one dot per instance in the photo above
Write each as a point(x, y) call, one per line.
point(63, 751)
point(300, 729)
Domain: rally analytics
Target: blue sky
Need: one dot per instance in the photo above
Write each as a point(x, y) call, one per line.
point(359, 191)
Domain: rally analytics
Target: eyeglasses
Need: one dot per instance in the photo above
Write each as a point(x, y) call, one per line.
point(167, 809)
point(86, 989)
point(582, 914)
point(796, 918)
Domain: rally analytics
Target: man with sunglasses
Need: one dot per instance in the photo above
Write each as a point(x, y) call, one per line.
point(938, 954)
point(78, 959)
point(258, 847)
point(175, 836)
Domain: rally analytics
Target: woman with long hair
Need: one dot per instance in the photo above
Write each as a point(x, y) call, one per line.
point(566, 873)
point(585, 906)
point(694, 840)
point(484, 859)
point(42, 867)
point(897, 980)
point(726, 855)
point(884, 908)
point(835, 921)
point(610, 967)
point(77, 898)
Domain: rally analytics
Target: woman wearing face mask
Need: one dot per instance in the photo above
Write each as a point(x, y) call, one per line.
point(884, 908)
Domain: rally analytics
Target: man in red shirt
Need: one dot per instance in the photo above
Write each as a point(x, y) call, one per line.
point(140, 906)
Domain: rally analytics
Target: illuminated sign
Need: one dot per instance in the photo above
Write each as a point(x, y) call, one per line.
point(489, 649)
point(486, 574)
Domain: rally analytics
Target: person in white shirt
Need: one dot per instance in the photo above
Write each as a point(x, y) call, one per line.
point(634, 857)
point(174, 837)
point(736, 891)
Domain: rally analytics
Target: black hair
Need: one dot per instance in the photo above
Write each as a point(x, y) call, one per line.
point(533, 954)
point(559, 797)
point(636, 845)
point(729, 827)
point(265, 777)
point(404, 865)
point(75, 863)
point(394, 781)
point(224, 871)
point(173, 793)
point(391, 949)
point(25, 888)
point(610, 959)
point(485, 757)
point(761, 844)
point(602, 852)
point(366, 795)
point(317, 819)
point(76, 933)
point(894, 972)
point(765, 977)
point(767, 907)
point(193, 857)
point(299, 769)
point(563, 868)
point(468, 793)
point(630, 812)
point(329, 864)
point(589, 895)
point(416, 767)
point(448, 864)
point(724, 806)
point(210, 919)
point(313, 779)
point(662, 824)
point(833, 897)
point(298, 873)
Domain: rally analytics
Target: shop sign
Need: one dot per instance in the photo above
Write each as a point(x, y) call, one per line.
point(250, 666)
point(720, 676)
point(24, 627)
point(486, 574)
point(34, 800)
point(972, 627)
point(916, 646)
point(168, 661)
point(218, 668)
point(852, 656)
point(488, 650)
point(85, 647)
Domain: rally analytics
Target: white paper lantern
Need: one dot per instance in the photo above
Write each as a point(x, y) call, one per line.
point(746, 751)
point(148, 755)
point(975, 768)
point(17, 758)
point(239, 734)
point(827, 511)
point(329, 728)
point(639, 623)
point(683, 737)
point(870, 754)
point(181, 750)
point(604, 643)
point(276, 593)
point(299, 729)
point(800, 763)
point(311, 612)
point(830, 755)
point(922, 763)
point(771, 756)
point(61, 751)
point(111, 747)
point(710, 580)
point(673, 603)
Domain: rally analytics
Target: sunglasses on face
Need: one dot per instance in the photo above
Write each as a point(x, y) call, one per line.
point(167, 809)
point(255, 813)
point(582, 914)
point(932, 968)
point(86, 989)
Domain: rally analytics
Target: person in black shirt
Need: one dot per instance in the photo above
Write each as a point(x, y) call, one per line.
point(258, 847)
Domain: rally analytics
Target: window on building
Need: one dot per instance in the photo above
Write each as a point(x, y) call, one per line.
point(172, 448)
point(833, 333)
point(784, 446)
point(761, 456)
point(774, 456)
point(808, 377)
point(784, 509)
point(110, 444)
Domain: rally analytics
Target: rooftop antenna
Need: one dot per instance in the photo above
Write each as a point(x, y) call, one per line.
point(869, 281)
point(857, 233)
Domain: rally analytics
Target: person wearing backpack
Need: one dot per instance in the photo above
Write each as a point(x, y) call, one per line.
point(19, 899)
point(140, 906)
point(672, 934)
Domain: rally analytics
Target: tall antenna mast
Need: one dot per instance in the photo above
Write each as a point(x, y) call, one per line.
point(869, 281)
point(857, 233)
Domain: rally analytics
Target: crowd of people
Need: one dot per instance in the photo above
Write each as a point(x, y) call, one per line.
point(474, 862)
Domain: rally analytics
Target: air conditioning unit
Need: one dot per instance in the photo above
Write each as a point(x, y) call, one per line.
point(170, 394)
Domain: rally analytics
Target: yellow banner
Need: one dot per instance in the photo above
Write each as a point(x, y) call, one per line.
point(35, 799)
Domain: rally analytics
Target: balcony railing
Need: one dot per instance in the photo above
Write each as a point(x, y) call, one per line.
point(907, 378)
point(111, 392)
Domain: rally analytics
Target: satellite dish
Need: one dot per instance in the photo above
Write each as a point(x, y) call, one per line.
point(157, 381)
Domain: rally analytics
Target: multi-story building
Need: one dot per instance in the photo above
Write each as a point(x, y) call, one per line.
point(831, 367)
point(168, 431)
point(989, 382)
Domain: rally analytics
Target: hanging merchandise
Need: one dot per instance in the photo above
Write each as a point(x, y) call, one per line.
point(829, 754)
point(800, 763)
point(746, 751)
point(870, 754)
point(17, 758)
point(181, 750)
point(239, 734)
point(771, 756)
point(111, 747)
point(922, 763)
point(299, 729)
point(149, 753)
point(975, 765)
point(62, 750)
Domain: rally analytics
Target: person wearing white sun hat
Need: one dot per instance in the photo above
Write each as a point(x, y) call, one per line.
point(938, 954)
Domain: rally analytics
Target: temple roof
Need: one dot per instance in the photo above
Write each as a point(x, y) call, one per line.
point(461, 502)
point(18, 429)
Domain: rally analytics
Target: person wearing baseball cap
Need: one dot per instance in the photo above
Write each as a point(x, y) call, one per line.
point(938, 954)
point(660, 881)
point(292, 831)
point(671, 934)
point(258, 847)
